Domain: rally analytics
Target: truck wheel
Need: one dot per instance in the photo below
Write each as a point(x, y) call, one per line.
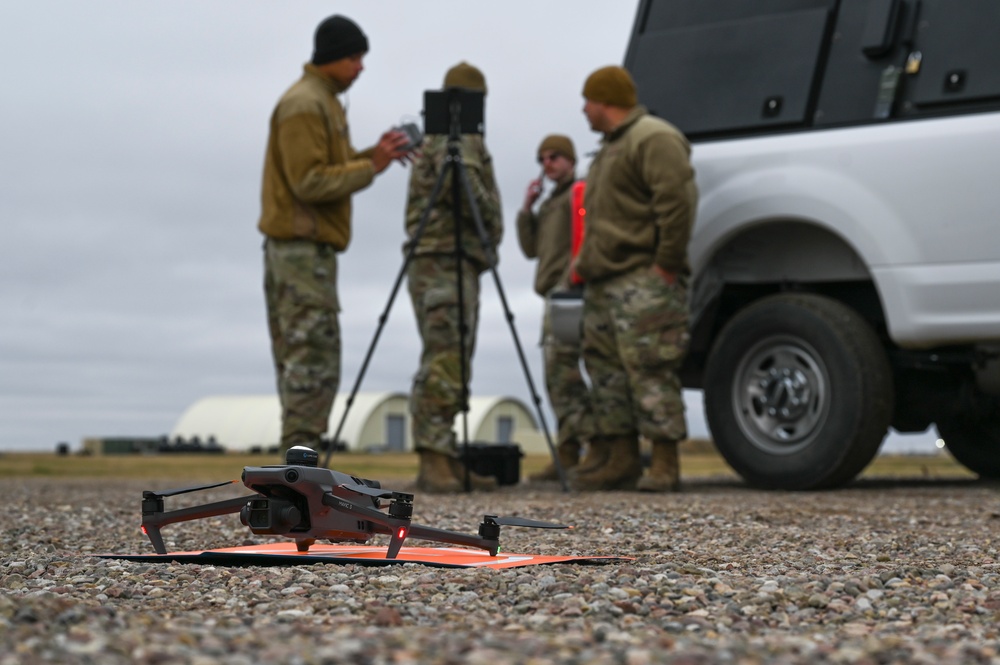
point(798, 393)
point(973, 437)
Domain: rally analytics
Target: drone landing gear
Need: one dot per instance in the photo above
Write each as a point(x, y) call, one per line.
point(154, 516)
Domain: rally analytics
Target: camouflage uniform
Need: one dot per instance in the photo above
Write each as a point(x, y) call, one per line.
point(635, 335)
point(546, 235)
point(436, 396)
point(310, 172)
point(435, 399)
point(640, 203)
point(568, 392)
point(300, 287)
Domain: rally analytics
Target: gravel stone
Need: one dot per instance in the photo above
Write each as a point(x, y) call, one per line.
point(879, 573)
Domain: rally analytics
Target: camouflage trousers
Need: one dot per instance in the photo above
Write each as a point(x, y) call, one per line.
point(568, 392)
point(300, 287)
point(436, 397)
point(635, 336)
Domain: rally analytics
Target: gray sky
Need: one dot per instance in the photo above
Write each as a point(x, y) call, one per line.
point(133, 138)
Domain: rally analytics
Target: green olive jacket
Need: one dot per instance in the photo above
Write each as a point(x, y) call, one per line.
point(640, 200)
point(547, 235)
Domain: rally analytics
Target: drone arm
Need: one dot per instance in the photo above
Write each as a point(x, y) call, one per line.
point(154, 519)
point(378, 522)
point(399, 529)
point(455, 538)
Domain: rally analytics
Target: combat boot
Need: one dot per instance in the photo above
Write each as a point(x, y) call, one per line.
point(476, 481)
point(435, 475)
point(598, 452)
point(620, 472)
point(664, 472)
point(568, 453)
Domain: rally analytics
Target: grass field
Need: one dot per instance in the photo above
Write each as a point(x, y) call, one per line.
point(697, 463)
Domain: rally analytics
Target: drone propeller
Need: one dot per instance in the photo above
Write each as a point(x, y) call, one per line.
point(184, 490)
point(523, 521)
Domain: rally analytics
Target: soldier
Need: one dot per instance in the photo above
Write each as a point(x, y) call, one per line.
point(432, 274)
point(310, 173)
point(547, 236)
point(640, 201)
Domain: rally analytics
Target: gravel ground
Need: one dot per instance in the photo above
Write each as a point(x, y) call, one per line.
point(877, 573)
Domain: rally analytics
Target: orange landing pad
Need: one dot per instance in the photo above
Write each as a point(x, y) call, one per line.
point(285, 554)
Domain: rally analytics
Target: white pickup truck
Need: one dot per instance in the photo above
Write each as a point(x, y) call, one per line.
point(847, 245)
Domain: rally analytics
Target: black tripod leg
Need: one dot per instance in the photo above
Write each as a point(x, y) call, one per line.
point(411, 250)
point(481, 229)
point(455, 160)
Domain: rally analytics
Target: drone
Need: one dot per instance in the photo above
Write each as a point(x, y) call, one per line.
point(301, 501)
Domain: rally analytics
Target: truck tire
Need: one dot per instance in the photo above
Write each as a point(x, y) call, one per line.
point(973, 437)
point(798, 393)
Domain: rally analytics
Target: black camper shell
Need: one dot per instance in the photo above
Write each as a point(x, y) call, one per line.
point(722, 68)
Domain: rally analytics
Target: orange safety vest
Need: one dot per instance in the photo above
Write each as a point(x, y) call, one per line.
point(577, 220)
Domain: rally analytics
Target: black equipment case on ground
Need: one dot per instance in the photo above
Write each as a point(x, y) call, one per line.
point(500, 460)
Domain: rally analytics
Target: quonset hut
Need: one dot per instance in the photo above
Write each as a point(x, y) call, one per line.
point(377, 421)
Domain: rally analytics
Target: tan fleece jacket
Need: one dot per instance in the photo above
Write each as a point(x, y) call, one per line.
point(310, 168)
point(547, 236)
point(640, 200)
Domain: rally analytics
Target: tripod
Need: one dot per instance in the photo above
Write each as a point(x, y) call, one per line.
point(459, 185)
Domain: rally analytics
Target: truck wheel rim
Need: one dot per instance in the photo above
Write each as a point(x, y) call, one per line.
point(780, 394)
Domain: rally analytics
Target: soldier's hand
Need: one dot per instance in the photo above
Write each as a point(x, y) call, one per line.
point(390, 147)
point(534, 191)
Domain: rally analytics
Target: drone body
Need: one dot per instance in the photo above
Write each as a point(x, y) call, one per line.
point(300, 501)
point(291, 504)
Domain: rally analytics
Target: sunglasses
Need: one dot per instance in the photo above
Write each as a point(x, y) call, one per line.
point(549, 158)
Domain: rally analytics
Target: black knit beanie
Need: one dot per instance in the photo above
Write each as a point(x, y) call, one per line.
point(338, 37)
